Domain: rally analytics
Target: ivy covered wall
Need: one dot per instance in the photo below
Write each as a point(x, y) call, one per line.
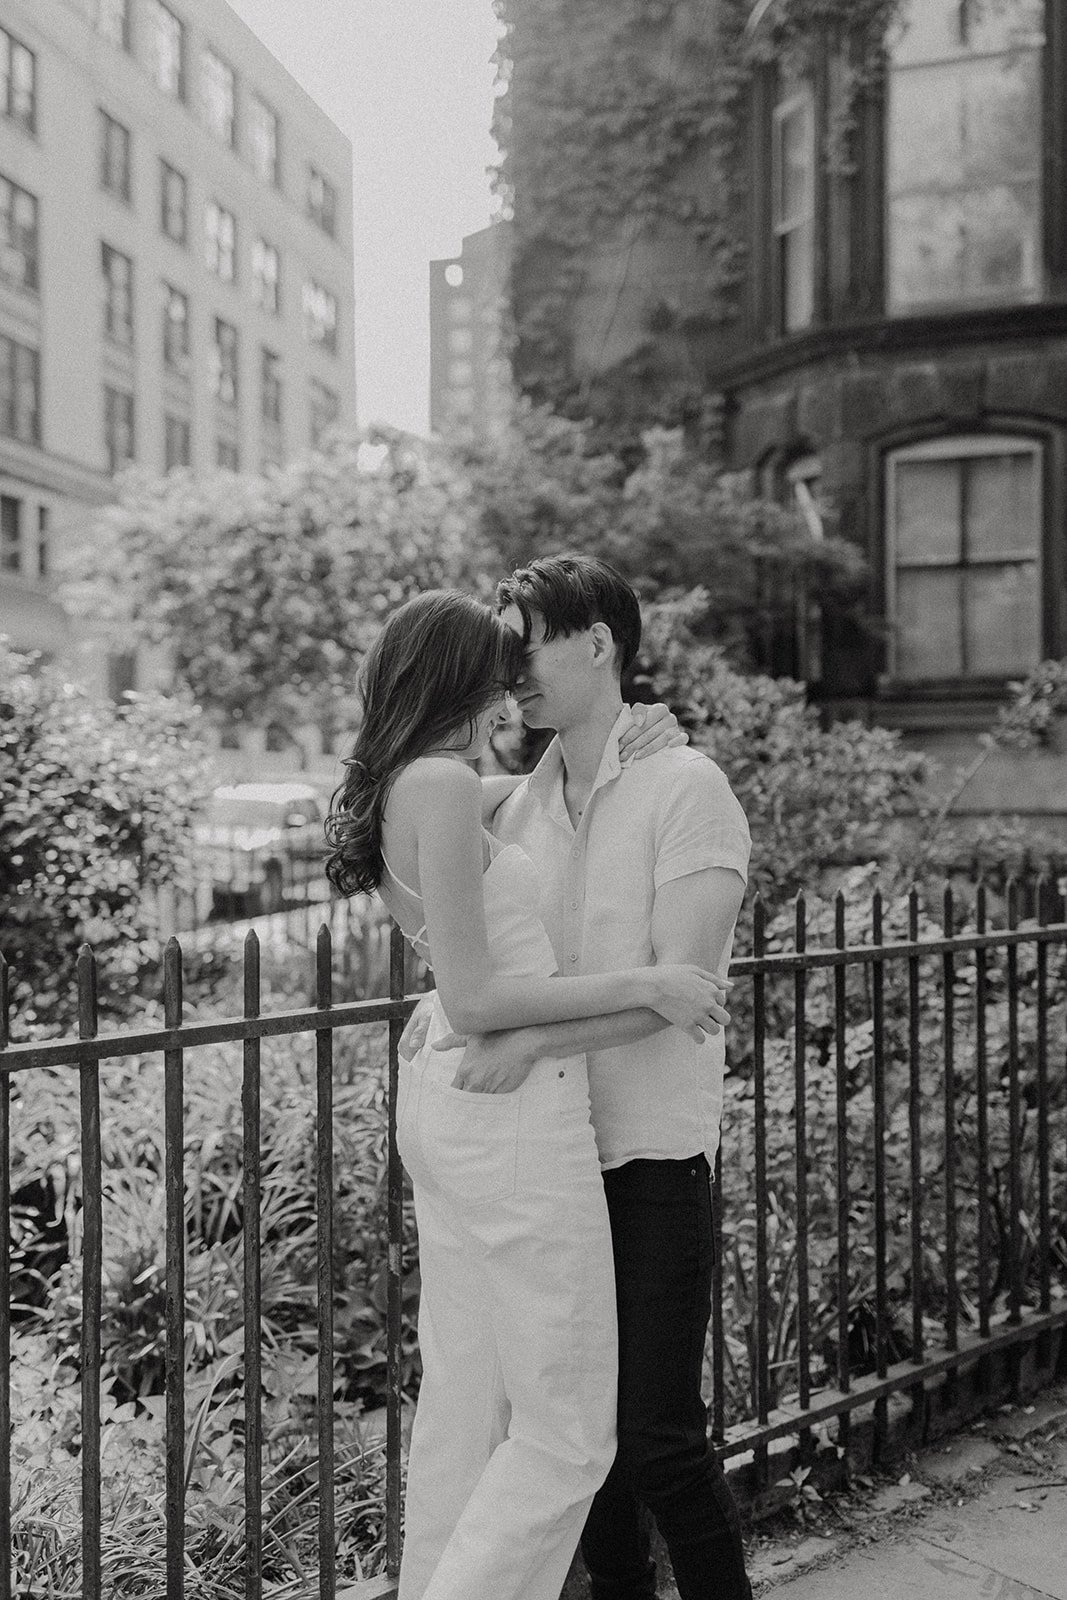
point(624, 132)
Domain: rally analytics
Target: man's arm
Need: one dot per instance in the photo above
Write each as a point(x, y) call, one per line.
point(693, 916)
point(692, 919)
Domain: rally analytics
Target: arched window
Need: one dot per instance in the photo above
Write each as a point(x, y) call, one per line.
point(964, 538)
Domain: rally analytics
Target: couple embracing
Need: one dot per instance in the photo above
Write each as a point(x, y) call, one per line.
point(561, 1103)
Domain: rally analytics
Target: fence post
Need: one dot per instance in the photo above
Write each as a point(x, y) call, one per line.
point(174, 1182)
point(324, 1253)
point(250, 1201)
point(395, 1281)
point(92, 1276)
point(5, 1292)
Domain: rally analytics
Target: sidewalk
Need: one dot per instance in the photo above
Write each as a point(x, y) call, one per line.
point(980, 1517)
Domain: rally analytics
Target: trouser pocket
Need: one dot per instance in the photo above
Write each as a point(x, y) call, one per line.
point(470, 1142)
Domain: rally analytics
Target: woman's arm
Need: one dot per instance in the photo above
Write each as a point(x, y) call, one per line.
point(441, 798)
point(497, 1063)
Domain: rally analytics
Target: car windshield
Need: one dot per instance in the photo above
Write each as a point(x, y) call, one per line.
point(259, 813)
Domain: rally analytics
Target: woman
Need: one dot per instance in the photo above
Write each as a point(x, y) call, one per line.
point(517, 1317)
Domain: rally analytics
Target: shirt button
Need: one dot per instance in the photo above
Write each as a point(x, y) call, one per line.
point(576, 854)
point(574, 958)
point(574, 905)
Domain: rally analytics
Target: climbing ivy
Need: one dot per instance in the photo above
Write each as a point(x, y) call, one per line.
point(622, 118)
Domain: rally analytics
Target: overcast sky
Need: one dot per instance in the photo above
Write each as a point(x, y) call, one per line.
point(412, 87)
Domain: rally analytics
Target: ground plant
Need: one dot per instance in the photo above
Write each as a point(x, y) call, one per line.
point(48, 1301)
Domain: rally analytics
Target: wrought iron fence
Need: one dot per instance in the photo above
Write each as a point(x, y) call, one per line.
point(891, 1193)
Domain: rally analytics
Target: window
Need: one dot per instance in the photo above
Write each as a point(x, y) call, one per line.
point(964, 539)
point(167, 50)
point(118, 427)
point(460, 374)
point(225, 362)
point(113, 21)
point(173, 203)
point(10, 533)
point(271, 388)
point(175, 329)
point(121, 674)
point(18, 82)
point(964, 154)
point(44, 545)
point(264, 141)
point(18, 236)
point(265, 276)
point(460, 341)
point(218, 97)
point(114, 157)
point(118, 294)
point(220, 241)
point(460, 308)
point(177, 443)
point(227, 455)
point(20, 391)
point(320, 316)
point(794, 209)
point(324, 408)
point(322, 201)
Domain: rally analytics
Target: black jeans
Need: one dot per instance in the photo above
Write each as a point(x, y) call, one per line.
point(665, 1469)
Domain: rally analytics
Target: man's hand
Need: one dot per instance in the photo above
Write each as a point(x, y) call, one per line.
point(418, 1026)
point(652, 728)
point(493, 1063)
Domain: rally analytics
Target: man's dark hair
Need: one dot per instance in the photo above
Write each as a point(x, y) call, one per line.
point(571, 593)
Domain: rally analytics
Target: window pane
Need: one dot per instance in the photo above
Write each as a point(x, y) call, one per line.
point(1003, 516)
point(168, 51)
point(218, 96)
point(798, 277)
point(927, 627)
point(113, 20)
point(964, 157)
point(1003, 619)
point(795, 164)
point(928, 511)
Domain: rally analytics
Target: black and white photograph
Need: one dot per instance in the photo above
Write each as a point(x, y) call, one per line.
point(533, 800)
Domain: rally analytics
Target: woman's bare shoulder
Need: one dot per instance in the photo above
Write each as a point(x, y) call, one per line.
point(437, 776)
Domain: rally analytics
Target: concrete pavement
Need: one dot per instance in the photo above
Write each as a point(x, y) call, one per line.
point(982, 1517)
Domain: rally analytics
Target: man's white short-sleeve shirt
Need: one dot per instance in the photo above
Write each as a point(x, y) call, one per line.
point(657, 819)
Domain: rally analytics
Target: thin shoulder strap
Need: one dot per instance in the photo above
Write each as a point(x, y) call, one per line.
point(398, 880)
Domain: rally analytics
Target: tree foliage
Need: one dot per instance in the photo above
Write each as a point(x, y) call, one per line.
point(267, 591)
point(669, 520)
point(96, 808)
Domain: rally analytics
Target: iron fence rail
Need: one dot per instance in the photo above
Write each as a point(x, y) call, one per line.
point(817, 1396)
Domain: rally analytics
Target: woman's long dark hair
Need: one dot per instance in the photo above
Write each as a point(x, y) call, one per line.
point(439, 662)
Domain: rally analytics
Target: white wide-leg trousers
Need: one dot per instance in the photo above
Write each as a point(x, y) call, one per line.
point(515, 1426)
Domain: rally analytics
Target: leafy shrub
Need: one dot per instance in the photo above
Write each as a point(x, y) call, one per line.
point(96, 806)
point(822, 1120)
point(816, 797)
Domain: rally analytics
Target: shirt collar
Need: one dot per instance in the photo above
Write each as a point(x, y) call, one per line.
point(546, 779)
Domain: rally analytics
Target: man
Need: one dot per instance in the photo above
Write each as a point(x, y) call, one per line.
point(638, 864)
